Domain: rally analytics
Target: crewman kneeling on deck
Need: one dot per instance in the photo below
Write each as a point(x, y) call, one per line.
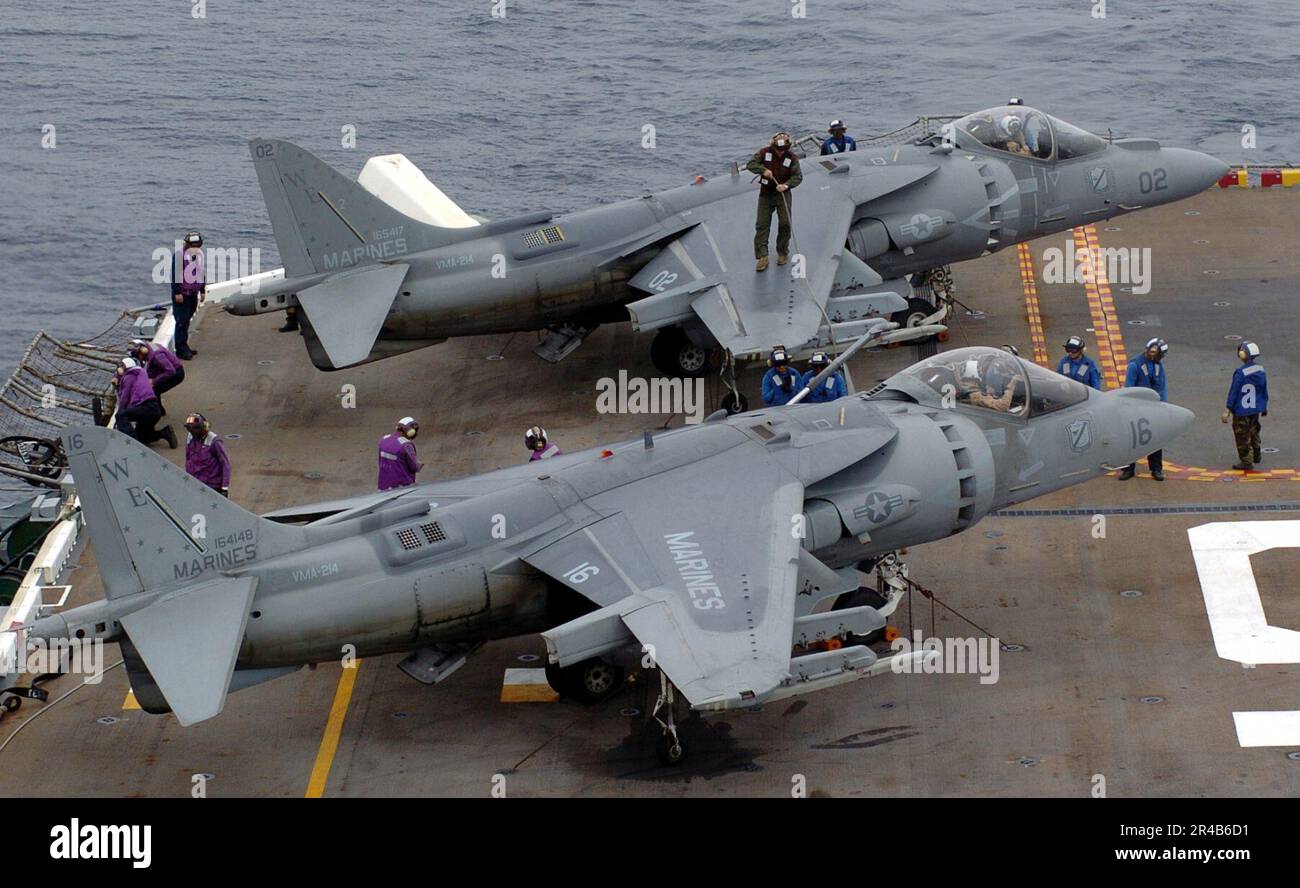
point(1247, 402)
point(188, 287)
point(138, 408)
point(828, 389)
point(780, 171)
point(838, 143)
point(538, 446)
point(398, 463)
point(1147, 371)
point(1077, 365)
point(164, 369)
point(205, 455)
point(782, 382)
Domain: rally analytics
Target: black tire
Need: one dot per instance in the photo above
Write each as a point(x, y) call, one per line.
point(734, 403)
point(673, 354)
point(863, 597)
point(12, 703)
point(917, 310)
point(589, 682)
point(669, 751)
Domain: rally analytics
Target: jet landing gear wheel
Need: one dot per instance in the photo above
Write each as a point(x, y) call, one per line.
point(588, 682)
point(863, 597)
point(734, 403)
point(674, 354)
point(669, 747)
point(917, 311)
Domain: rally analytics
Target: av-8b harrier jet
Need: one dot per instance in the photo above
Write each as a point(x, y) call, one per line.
point(713, 553)
point(373, 282)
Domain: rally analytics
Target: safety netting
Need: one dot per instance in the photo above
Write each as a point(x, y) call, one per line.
point(54, 386)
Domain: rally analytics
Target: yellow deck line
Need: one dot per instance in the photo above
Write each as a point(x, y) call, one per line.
point(1033, 312)
point(329, 741)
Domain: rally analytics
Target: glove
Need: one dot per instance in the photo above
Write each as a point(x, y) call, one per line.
point(1225, 416)
point(1265, 413)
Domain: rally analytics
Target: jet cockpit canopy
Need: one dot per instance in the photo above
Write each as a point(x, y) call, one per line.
point(1019, 129)
point(989, 379)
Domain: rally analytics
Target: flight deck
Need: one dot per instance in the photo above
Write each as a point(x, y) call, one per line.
point(1109, 672)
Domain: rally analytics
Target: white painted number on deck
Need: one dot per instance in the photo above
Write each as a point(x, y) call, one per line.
point(1241, 630)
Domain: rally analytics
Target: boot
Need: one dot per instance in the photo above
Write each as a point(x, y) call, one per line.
point(782, 258)
point(761, 265)
point(1128, 473)
point(1242, 466)
point(169, 435)
point(1259, 457)
point(1158, 475)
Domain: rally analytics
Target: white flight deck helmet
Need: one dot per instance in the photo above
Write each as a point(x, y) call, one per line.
point(129, 363)
point(1249, 349)
point(535, 438)
point(406, 425)
point(1156, 342)
point(193, 239)
point(1073, 343)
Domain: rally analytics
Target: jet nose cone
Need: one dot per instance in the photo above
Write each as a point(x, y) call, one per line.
point(1191, 172)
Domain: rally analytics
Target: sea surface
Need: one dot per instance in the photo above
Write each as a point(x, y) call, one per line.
point(544, 108)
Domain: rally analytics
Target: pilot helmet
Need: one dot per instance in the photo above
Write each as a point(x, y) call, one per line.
point(1010, 124)
point(969, 371)
point(1158, 343)
point(819, 359)
point(1249, 349)
point(1012, 349)
point(535, 438)
point(1074, 343)
point(193, 239)
point(779, 356)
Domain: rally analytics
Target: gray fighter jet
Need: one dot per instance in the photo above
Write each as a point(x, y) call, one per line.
point(372, 282)
point(714, 553)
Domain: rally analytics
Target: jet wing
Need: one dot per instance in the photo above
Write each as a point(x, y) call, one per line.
point(711, 599)
point(708, 273)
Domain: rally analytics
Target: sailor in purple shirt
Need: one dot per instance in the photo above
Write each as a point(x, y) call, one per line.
point(164, 369)
point(205, 455)
point(189, 282)
point(138, 408)
point(398, 462)
point(535, 441)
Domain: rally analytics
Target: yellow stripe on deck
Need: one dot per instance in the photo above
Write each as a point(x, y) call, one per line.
point(527, 686)
point(329, 741)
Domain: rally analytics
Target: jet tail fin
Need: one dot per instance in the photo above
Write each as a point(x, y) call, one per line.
point(189, 641)
point(154, 526)
point(180, 548)
point(324, 221)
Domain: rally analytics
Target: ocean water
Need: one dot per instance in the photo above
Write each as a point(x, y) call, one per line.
point(544, 108)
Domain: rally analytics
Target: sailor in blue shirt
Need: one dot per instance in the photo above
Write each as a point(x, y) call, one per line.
point(1077, 365)
point(782, 382)
point(1147, 371)
point(1247, 402)
point(838, 143)
point(831, 388)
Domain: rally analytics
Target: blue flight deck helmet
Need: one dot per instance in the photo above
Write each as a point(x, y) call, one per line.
point(819, 359)
point(193, 239)
point(1249, 349)
point(1074, 343)
point(779, 356)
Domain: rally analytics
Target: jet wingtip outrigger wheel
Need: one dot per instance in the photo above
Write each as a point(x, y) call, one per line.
point(40, 456)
